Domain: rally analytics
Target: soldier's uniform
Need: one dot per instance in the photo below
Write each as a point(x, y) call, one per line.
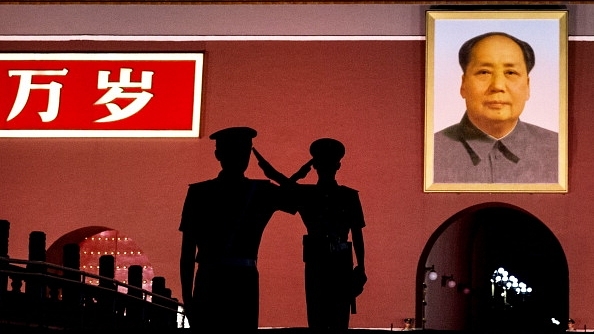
point(329, 211)
point(226, 217)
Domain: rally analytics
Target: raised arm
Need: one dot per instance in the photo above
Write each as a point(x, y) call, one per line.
point(277, 176)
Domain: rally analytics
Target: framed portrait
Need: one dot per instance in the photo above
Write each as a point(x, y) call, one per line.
point(496, 101)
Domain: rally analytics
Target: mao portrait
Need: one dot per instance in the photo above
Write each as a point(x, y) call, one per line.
point(496, 115)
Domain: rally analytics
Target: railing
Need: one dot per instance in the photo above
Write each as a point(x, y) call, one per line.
point(50, 296)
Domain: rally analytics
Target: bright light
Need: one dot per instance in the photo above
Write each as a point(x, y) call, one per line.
point(451, 283)
point(501, 278)
point(432, 275)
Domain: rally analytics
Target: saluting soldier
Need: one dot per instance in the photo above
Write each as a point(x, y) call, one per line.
point(222, 223)
point(330, 212)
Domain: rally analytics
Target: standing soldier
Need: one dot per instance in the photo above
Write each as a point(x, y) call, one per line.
point(222, 224)
point(329, 212)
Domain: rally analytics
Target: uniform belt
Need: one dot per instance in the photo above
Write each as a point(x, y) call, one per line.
point(321, 243)
point(340, 246)
point(230, 262)
point(239, 262)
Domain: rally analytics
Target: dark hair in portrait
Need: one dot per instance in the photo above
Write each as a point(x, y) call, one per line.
point(465, 52)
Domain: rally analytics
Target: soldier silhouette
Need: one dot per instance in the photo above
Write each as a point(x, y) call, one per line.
point(329, 211)
point(222, 224)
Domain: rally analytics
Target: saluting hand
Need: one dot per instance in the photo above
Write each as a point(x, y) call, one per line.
point(302, 172)
point(268, 170)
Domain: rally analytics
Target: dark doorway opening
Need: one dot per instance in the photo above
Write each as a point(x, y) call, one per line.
point(468, 248)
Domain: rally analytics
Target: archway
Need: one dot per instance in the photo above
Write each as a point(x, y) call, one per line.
point(96, 241)
point(469, 247)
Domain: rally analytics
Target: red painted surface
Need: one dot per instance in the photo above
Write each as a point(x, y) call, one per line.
point(368, 94)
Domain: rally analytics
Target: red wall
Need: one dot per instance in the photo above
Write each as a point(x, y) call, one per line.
point(368, 94)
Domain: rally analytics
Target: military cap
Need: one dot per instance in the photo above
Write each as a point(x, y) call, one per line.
point(327, 148)
point(235, 135)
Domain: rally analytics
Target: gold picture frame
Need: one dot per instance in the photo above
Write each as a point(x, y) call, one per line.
point(546, 32)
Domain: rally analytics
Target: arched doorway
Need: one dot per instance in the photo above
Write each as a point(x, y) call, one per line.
point(97, 241)
point(469, 248)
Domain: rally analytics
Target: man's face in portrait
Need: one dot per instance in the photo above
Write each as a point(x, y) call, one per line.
point(495, 85)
